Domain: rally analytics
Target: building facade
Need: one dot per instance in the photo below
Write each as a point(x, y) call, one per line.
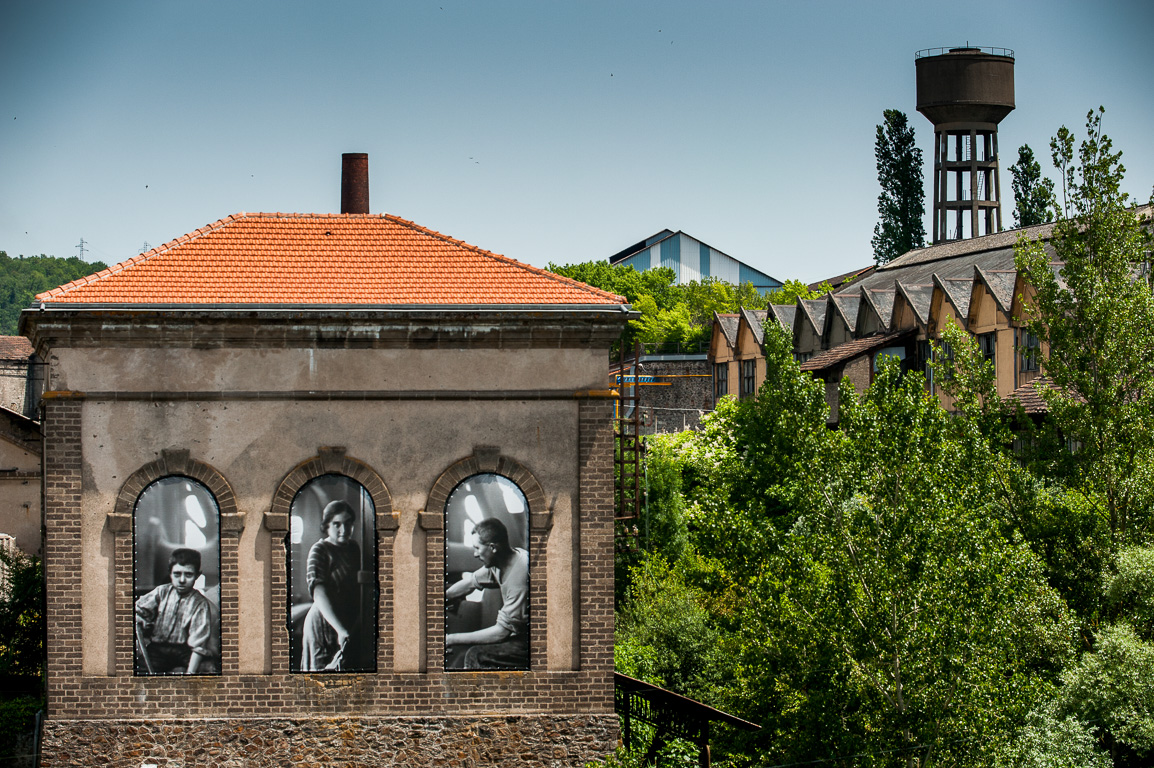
point(690, 259)
point(251, 390)
point(899, 309)
point(19, 447)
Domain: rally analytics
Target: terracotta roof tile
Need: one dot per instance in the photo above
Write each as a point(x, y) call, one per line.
point(849, 350)
point(349, 259)
point(1030, 397)
point(15, 348)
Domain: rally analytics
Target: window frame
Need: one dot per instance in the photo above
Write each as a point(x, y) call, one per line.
point(142, 664)
point(748, 377)
point(365, 519)
point(457, 514)
point(720, 380)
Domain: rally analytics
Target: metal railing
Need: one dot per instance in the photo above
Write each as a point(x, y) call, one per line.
point(927, 52)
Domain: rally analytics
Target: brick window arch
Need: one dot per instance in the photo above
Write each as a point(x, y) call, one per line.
point(485, 461)
point(210, 506)
point(331, 474)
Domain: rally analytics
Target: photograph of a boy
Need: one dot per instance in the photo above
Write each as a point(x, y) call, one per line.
point(177, 631)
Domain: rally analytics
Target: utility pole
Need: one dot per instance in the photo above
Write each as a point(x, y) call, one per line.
point(81, 247)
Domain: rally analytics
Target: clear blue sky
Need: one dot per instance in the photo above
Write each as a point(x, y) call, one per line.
point(546, 130)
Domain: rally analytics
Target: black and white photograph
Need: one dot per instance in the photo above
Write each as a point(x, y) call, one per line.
point(487, 573)
point(176, 579)
point(332, 577)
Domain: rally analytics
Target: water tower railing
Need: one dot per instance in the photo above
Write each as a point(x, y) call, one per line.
point(927, 52)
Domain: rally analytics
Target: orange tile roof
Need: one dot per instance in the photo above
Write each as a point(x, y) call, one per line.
point(326, 259)
point(15, 348)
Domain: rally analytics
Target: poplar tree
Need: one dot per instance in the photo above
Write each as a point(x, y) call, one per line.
point(1033, 194)
point(901, 203)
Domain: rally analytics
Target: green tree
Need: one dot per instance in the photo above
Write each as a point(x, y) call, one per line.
point(792, 290)
point(670, 314)
point(24, 277)
point(1033, 194)
point(1097, 319)
point(665, 633)
point(21, 615)
point(905, 623)
point(1113, 688)
point(901, 203)
point(1050, 741)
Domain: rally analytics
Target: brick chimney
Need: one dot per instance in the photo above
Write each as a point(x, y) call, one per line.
point(354, 182)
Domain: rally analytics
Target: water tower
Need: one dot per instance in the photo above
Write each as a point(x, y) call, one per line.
point(965, 93)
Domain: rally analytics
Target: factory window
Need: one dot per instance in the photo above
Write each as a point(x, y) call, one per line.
point(720, 381)
point(1029, 351)
point(987, 345)
point(176, 579)
point(748, 377)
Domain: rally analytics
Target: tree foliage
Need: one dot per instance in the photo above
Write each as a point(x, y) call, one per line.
point(670, 314)
point(24, 277)
point(21, 615)
point(901, 203)
point(1033, 193)
point(873, 601)
point(1097, 316)
point(912, 588)
point(792, 290)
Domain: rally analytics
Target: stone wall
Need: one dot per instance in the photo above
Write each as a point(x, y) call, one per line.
point(510, 740)
point(680, 405)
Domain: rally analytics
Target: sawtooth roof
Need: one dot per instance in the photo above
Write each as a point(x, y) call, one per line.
point(756, 320)
point(323, 259)
point(728, 325)
point(847, 306)
point(785, 314)
point(814, 310)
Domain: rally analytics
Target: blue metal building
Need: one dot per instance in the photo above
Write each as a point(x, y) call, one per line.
point(690, 259)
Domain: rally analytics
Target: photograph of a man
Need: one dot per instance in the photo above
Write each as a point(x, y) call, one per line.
point(505, 643)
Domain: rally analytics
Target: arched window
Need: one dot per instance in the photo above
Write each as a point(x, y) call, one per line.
point(487, 573)
point(176, 578)
point(332, 560)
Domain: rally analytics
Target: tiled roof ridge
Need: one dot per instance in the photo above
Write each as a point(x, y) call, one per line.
point(241, 215)
point(499, 257)
point(147, 255)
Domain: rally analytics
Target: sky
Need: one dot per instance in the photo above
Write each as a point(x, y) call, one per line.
point(550, 131)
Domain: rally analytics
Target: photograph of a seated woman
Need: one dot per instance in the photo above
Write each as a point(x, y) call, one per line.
point(487, 602)
point(333, 586)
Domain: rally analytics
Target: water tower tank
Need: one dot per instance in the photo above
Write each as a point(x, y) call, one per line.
point(965, 92)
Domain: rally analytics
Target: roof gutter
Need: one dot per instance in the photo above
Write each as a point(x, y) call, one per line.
point(53, 306)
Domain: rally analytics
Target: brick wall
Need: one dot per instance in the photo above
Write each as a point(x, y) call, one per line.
point(543, 716)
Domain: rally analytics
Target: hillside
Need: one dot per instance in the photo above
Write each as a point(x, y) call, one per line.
point(21, 278)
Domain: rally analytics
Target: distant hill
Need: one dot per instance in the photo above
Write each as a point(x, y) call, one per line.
point(24, 277)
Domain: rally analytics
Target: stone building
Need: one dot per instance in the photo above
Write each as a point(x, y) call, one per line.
point(222, 392)
point(19, 447)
